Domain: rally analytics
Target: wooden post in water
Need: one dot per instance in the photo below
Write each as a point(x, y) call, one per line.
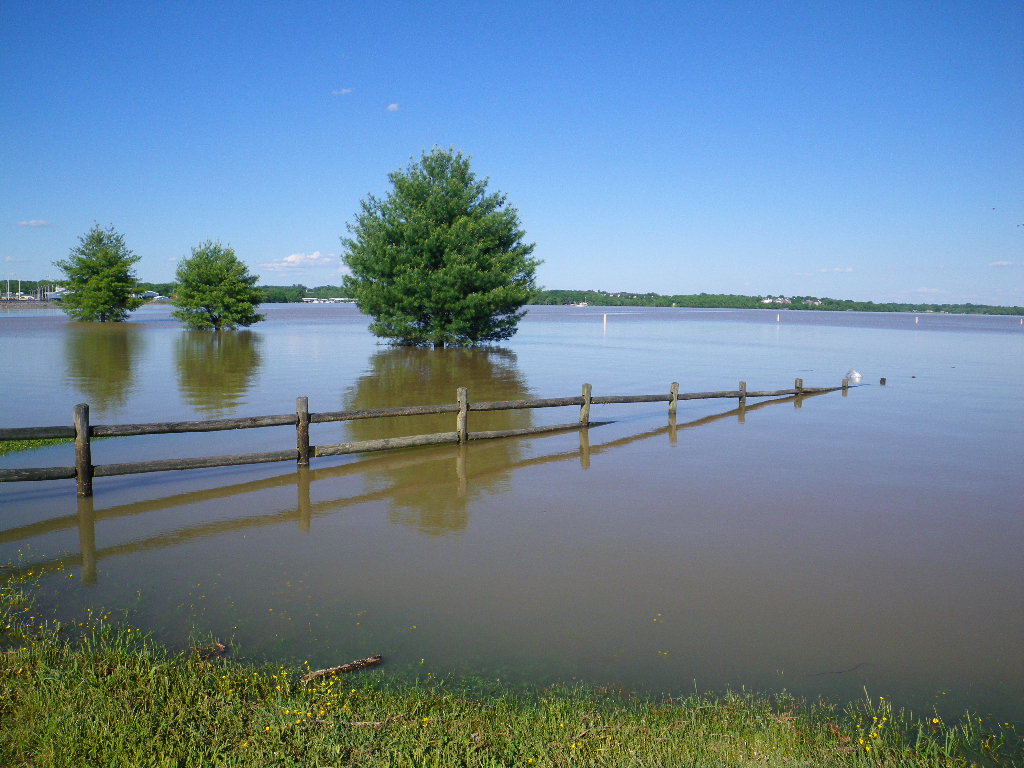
point(585, 408)
point(743, 394)
point(798, 385)
point(302, 430)
point(585, 448)
point(846, 386)
point(462, 421)
point(674, 392)
point(83, 451)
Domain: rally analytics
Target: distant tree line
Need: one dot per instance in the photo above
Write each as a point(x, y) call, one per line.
point(733, 301)
point(283, 294)
point(269, 294)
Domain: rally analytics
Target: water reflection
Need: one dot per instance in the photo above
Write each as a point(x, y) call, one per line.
point(216, 370)
point(432, 496)
point(247, 513)
point(101, 360)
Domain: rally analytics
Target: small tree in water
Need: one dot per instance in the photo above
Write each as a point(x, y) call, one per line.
point(99, 277)
point(439, 261)
point(214, 289)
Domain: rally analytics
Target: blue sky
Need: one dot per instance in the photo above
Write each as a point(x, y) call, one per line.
point(863, 150)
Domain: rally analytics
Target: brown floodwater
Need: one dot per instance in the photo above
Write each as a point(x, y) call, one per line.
point(821, 545)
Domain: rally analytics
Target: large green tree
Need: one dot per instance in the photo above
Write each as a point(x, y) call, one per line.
point(214, 289)
point(439, 260)
point(99, 277)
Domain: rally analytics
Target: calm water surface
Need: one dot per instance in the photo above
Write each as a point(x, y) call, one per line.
point(823, 546)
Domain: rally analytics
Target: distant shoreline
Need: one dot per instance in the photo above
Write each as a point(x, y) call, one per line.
point(656, 300)
point(775, 303)
point(26, 304)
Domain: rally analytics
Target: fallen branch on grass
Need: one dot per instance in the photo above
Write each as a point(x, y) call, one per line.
point(344, 669)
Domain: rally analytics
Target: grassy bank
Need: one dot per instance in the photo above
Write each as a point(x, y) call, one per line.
point(95, 693)
point(14, 446)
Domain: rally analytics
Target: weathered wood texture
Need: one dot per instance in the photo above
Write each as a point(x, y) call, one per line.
point(40, 473)
point(377, 413)
point(515, 405)
point(37, 433)
point(83, 451)
point(210, 425)
point(134, 468)
point(302, 429)
point(339, 449)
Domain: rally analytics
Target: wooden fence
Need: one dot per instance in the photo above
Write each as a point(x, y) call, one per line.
point(82, 431)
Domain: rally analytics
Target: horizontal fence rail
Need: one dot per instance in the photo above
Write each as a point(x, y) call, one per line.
point(82, 431)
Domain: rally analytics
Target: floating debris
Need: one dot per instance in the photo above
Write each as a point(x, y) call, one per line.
point(352, 666)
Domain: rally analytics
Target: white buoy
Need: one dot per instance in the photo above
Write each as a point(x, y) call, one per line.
point(778, 318)
point(606, 322)
point(917, 320)
point(853, 375)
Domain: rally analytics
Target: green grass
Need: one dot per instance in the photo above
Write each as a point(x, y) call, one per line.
point(96, 693)
point(13, 446)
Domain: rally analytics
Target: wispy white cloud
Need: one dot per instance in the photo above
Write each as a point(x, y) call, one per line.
point(392, 107)
point(1006, 264)
point(843, 270)
point(34, 223)
point(928, 290)
point(342, 91)
point(14, 260)
point(300, 261)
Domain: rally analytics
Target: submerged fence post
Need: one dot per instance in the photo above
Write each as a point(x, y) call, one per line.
point(585, 407)
point(305, 501)
point(846, 386)
point(87, 538)
point(743, 394)
point(302, 430)
point(798, 385)
point(674, 401)
point(83, 451)
point(461, 423)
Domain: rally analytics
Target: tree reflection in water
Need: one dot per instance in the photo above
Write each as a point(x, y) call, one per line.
point(432, 495)
point(216, 369)
point(100, 359)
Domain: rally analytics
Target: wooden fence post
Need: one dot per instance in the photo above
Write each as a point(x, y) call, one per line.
point(674, 393)
point(302, 429)
point(743, 394)
point(83, 451)
point(798, 385)
point(585, 408)
point(846, 386)
point(462, 422)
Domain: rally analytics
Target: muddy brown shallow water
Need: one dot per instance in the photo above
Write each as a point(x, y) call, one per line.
point(868, 540)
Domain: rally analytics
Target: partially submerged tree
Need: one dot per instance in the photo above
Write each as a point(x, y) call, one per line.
point(439, 261)
point(99, 277)
point(214, 289)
